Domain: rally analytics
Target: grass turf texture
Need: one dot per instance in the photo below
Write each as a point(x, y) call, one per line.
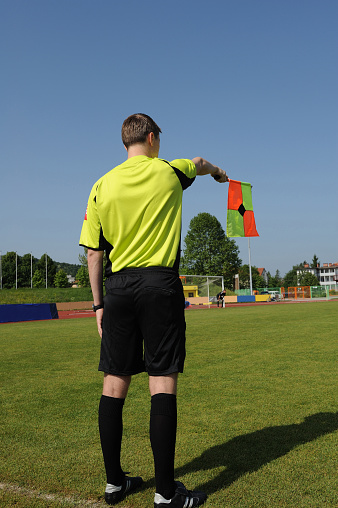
point(45, 295)
point(257, 411)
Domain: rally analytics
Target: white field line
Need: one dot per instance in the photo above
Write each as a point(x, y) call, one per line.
point(65, 500)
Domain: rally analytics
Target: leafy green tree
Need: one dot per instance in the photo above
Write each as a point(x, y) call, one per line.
point(276, 281)
point(82, 277)
point(9, 261)
point(8, 270)
point(307, 279)
point(290, 279)
point(61, 280)
point(314, 262)
point(208, 251)
point(38, 279)
point(51, 269)
point(83, 258)
point(231, 264)
point(24, 270)
point(244, 278)
point(68, 268)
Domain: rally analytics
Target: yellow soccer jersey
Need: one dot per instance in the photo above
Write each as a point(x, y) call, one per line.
point(134, 213)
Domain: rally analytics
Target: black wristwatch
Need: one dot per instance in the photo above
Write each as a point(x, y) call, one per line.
point(97, 307)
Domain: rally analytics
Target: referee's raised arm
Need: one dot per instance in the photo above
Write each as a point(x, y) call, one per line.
point(204, 167)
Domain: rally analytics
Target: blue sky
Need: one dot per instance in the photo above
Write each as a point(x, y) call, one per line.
point(251, 85)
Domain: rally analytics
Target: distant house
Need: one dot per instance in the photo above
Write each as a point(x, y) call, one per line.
point(262, 272)
point(327, 274)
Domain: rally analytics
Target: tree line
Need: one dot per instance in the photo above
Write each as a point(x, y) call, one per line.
point(28, 271)
point(207, 251)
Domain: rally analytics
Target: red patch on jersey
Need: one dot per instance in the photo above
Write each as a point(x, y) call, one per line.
point(85, 217)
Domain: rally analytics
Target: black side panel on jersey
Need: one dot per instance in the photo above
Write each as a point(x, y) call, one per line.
point(184, 180)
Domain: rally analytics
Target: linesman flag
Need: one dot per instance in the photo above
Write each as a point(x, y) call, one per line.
point(240, 218)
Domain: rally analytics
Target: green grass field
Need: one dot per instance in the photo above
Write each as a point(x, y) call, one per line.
point(45, 295)
point(257, 411)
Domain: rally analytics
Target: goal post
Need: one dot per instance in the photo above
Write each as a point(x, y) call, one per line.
point(202, 285)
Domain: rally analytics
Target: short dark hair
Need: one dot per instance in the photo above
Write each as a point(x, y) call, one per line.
point(136, 128)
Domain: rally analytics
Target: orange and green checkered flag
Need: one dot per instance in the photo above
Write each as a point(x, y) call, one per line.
point(240, 217)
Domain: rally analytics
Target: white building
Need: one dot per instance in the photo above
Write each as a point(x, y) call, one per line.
point(327, 274)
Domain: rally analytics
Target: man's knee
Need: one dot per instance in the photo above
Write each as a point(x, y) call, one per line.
point(163, 384)
point(116, 386)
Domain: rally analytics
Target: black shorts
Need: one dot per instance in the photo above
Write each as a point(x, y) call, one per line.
point(143, 323)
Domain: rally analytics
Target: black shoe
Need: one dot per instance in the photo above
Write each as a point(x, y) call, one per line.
point(129, 484)
point(183, 498)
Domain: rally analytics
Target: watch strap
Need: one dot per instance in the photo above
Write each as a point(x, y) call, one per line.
point(97, 307)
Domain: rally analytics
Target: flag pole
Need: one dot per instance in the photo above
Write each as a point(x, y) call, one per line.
point(250, 265)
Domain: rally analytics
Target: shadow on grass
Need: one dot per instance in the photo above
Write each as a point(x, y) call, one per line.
point(248, 453)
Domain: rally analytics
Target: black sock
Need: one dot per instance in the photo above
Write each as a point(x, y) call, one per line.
point(163, 424)
point(111, 429)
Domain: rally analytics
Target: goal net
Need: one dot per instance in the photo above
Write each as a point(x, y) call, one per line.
point(202, 285)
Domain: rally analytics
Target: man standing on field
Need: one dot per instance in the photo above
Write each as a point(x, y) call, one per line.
point(134, 214)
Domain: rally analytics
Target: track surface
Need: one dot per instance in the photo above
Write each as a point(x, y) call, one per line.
point(84, 313)
point(70, 314)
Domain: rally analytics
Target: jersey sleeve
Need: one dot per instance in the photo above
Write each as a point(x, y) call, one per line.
point(185, 170)
point(91, 233)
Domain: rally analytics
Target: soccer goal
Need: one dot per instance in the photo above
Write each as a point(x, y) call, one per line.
point(202, 286)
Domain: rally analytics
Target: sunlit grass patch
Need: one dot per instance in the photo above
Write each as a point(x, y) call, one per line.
point(257, 410)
